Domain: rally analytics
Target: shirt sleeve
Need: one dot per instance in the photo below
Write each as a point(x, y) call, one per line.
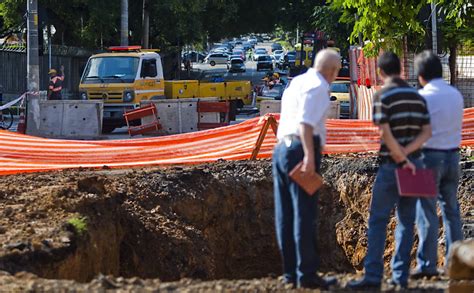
point(51, 84)
point(313, 106)
point(426, 114)
point(380, 111)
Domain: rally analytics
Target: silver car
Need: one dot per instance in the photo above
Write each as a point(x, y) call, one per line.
point(216, 58)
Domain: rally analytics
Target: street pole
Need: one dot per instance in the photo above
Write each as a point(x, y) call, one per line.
point(146, 25)
point(32, 59)
point(49, 46)
point(434, 28)
point(124, 24)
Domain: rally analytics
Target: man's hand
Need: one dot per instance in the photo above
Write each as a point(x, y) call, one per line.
point(308, 166)
point(409, 165)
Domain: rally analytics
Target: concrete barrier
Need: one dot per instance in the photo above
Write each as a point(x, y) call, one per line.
point(71, 119)
point(274, 106)
point(270, 106)
point(179, 115)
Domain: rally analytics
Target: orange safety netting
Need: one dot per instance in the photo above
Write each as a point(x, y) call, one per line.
point(21, 153)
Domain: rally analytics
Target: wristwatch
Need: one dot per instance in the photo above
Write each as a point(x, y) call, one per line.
point(402, 163)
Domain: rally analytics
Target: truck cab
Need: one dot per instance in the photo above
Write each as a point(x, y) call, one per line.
point(122, 79)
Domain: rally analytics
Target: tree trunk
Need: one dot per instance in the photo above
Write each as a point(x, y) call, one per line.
point(452, 62)
point(146, 26)
point(124, 24)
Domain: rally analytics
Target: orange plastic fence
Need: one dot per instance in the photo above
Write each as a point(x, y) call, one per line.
point(21, 153)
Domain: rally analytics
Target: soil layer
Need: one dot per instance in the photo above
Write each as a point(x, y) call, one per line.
point(169, 228)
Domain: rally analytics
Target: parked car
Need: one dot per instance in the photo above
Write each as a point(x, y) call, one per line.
point(237, 65)
point(276, 46)
point(247, 46)
point(264, 62)
point(340, 91)
point(259, 52)
point(278, 54)
point(240, 53)
point(288, 60)
point(194, 57)
point(235, 56)
point(216, 58)
point(253, 41)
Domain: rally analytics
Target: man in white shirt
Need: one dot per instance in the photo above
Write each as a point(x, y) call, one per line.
point(301, 136)
point(441, 152)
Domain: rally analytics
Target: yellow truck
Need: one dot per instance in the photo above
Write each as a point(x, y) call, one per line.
point(128, 75)
point(121, 79)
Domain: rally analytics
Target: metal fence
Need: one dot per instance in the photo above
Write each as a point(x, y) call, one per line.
point(464, 79)
point(13, 72)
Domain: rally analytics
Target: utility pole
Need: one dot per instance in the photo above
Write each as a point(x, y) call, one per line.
point(434, 28)
point(32, 59)
point(124, 24)
point(146, 26)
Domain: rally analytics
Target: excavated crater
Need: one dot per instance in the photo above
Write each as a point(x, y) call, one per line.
point(213, 221)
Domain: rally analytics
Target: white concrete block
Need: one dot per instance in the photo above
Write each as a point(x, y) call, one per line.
point(51, 118)
point(334, 110)
point(71, 119)
point(188, 115)
point(267, 107)
point(168, 115)
point(82, 119)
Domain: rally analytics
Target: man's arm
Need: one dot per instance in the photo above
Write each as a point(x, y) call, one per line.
point(396, 150)
point(423, 137)
point(306, 132)
point(62, 72)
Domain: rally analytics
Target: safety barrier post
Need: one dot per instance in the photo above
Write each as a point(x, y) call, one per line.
point(270, 121)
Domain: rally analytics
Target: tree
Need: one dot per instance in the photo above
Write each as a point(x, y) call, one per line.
point(323, 19)
point(383, 23)
point(458, 27)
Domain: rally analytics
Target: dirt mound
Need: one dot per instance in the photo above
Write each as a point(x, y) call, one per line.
point(207, 222)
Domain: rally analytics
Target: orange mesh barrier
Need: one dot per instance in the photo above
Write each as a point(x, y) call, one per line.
point(21, 153)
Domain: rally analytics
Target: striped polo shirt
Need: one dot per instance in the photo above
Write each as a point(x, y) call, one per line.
point(404, 110)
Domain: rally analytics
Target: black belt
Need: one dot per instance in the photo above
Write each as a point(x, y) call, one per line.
point(441, 151)
point(388, 160)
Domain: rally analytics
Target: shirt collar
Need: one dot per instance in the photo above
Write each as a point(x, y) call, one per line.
point(435, 82)
point(313, 72)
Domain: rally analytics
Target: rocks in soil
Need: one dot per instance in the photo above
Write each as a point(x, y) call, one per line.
point(169, 228)
point(461, 260)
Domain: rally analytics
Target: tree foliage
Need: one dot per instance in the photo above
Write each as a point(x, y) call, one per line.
point(95, 23)
point(384, 23)
point(323, 19)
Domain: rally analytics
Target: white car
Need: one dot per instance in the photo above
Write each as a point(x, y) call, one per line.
point(277, 54)
point(216, 58)
point(259, 52)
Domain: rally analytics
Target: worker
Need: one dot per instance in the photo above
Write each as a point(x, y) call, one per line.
point(55, 84)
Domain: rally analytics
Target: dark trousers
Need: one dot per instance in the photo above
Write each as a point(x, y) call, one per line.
point(55, 96)
point(295, 213)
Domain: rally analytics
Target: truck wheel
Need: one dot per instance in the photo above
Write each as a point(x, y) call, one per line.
point(212, 63)
point(106, 129)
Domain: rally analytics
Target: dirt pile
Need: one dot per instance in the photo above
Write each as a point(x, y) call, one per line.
point(207, 222)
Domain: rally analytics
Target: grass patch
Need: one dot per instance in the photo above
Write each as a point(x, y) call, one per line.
point(79, 224)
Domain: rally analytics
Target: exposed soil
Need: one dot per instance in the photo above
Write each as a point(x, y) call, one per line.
point(170, 228)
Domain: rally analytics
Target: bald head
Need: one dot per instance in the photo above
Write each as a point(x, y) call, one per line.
point(327, 59)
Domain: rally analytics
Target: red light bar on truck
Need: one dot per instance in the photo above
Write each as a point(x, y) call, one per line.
point(125, 48)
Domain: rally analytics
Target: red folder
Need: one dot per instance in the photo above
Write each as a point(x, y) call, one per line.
point(310, 183)
point(422, 184)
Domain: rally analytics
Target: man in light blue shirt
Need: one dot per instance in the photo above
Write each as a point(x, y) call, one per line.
point(441, 152)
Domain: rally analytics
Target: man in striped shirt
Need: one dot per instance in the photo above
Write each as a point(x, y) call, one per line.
point(404, 122)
